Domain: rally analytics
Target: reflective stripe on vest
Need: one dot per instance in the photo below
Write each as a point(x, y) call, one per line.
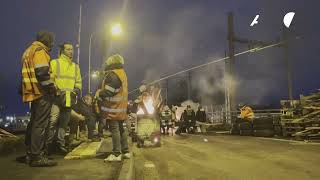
point(116, 99)
point(109, 88)
point(105, 109)
point(25, 70)
point(40, 65)
point(30, 80)
point(66, 89)
point(45, 83)
point(68, 99)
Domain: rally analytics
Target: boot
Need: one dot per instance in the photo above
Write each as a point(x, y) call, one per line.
point(83, 136)
point(62, 150)
point(73, 142)
point(42, 161)
point(94, 139)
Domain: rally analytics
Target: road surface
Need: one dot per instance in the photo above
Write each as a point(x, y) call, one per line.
point(228, 157)
point(81, 169)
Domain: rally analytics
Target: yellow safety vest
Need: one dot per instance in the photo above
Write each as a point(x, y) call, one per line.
point(66, 75)
point(115, 108)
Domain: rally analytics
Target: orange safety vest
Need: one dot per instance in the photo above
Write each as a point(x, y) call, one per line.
point(34, 56)
point(115, 108)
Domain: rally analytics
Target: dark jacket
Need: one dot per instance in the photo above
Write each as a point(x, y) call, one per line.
point(201, 116)
point(189, 115)
point(84, 109)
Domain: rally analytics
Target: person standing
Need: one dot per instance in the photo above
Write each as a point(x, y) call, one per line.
point(67, 77)
point(114, 94)
point(165, 117)
point(38, 89)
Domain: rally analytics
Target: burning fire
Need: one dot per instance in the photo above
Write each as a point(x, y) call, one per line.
point(148, 104)
point(140, 111)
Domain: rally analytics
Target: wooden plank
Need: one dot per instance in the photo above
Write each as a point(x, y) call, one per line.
point(91, 150)
point(75, 153)
point(6, 134)
point(84, 150)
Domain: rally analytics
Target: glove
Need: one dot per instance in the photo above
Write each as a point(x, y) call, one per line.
point(77, 91)
point(52, 90)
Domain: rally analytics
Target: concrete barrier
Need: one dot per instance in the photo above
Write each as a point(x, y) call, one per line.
point(127, 171)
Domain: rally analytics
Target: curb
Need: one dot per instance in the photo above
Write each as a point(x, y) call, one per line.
point(127, 171)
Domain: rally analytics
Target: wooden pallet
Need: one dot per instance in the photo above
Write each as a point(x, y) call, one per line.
point(309, 132)
point(4, 134)
point(84, 151)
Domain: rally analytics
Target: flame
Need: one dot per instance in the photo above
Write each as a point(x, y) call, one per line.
point(148, 103)
point(140, 111)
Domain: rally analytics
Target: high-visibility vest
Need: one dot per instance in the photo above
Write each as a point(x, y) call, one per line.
point(247, 113)
point(115, 108)
point(66, 75)
point(31, 88)
point(166, 115)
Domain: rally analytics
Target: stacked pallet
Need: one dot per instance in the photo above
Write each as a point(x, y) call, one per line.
point(301, 118)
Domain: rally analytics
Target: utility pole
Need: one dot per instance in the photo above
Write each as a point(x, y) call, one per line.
point(231, 63)
point(167, 91)
point(79, 33)
point(89, 67)
point(189, 84)
point(288, 65)
point(227, 114)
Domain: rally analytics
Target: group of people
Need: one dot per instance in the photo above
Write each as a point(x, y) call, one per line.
point(189, 119)
point(53, 89)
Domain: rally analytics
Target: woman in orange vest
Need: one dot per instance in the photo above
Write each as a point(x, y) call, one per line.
point(114, 94)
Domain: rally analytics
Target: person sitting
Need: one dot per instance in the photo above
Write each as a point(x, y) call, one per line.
point(84, 107)
point(201, 118)
point(188, 121)
point(201, 115)
point(246, 113)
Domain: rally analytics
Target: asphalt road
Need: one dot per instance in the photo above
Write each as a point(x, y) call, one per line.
point(228, 157)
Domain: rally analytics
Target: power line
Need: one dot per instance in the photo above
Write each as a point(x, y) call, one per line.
point(213, 62)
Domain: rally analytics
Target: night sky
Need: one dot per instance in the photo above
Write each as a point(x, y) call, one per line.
point(164, 36)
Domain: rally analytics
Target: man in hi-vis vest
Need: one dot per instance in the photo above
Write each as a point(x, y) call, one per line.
point(113, 92)
point(38, 89)
point(67, 77)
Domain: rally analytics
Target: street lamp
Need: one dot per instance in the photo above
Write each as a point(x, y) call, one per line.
point(95, 74)
point(116, 30)
point(89, 70)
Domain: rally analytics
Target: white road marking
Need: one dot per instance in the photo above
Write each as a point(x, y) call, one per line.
point(149, 165)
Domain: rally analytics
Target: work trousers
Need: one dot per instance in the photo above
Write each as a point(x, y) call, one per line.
point(37, 129)
point(89, 121)
point(119, 137)
point(103, 124)
point(59, 119)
